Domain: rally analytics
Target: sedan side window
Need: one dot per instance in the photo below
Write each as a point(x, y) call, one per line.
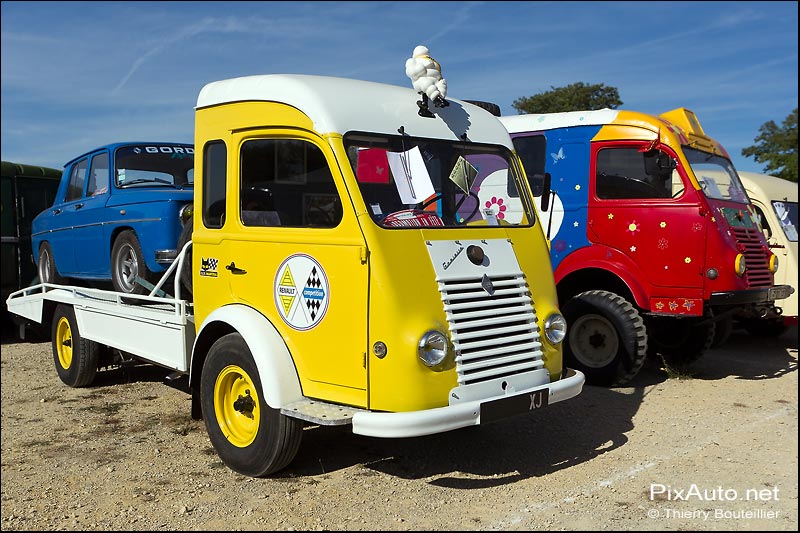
point(77, 179)
point(98, 176)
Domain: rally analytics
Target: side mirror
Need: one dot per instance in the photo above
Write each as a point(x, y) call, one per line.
point(545, 179)
point(657, 163)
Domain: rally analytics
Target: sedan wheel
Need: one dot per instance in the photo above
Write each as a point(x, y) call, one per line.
point(127, 263)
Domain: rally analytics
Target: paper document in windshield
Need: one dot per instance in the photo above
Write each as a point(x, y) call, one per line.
point(410, 176)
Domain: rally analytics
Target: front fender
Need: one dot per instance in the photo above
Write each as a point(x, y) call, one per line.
point(610, 260)
point(276, 369)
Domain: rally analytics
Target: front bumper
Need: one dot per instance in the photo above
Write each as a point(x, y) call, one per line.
point(752, 296)
point(439, 420)
point(166, 257)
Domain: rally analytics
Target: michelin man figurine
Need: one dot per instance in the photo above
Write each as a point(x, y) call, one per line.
point(426, 78)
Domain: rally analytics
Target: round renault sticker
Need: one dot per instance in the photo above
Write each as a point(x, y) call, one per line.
point(301, 291)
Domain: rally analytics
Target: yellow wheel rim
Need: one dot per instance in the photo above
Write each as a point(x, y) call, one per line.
point(236, 405)
point(64, 343)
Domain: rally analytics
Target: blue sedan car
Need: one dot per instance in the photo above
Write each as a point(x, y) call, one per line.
point(117, 215)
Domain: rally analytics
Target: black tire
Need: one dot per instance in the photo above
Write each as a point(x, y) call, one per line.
point(765, 327)
point(606, 338)
point(680, 341)
point(249, 436)
point(186, 271)
point(48, 273)
point(492, 108)
point(723, 331)
point(127, 263)
point(75, 358)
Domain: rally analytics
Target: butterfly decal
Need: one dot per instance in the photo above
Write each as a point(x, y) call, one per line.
point(559, 156)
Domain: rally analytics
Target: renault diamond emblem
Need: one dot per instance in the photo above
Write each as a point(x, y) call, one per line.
point(486, 283)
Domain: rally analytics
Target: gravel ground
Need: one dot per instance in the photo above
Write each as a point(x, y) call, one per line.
point(714, 450)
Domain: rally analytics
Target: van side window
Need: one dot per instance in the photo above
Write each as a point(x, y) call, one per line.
point(98, 175)
point(77, 179)
point(287, 182)
point(761, 220)
point(624, 173)
point(533, 153)
point(215, 156)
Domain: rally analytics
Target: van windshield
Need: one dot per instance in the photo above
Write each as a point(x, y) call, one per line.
point(716, 175)
point(787, 215)
point(412, 182)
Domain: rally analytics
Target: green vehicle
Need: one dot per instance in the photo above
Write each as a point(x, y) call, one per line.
point(26, 191)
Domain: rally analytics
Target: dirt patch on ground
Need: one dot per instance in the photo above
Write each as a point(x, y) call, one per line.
point(714, 451)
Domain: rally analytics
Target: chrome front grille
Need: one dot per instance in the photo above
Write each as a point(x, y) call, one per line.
point(494, 335)
point(757, 273)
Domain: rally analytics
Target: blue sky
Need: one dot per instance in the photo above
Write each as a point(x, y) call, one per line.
point(77, 75)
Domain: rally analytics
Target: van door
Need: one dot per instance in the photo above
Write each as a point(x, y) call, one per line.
point(34, 195)
point(297, 255)
point(644, 208)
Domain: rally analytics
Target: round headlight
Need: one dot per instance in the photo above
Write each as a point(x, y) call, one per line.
point(433, 348)
point(555, 328)
point(186, 212)
point(773, 263)
point(739, 265)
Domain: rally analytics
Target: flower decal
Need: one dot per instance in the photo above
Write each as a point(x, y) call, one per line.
point(633, 227)
point(501, 207)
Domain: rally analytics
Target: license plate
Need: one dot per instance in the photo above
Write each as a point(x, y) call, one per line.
point(514, 405)
point(778, 293)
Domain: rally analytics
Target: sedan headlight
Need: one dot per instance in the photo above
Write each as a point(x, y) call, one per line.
point(185, 213)
point(433, 348)
point(555, 328)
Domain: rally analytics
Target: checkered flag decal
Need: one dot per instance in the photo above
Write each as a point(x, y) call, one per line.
point(208, 265)
point(314, 282)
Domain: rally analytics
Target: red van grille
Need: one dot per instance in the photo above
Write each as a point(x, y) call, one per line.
point(757, 273)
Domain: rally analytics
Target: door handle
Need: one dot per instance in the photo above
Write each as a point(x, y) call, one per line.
point(234, 269)
point(78, 206)
point(56, 211)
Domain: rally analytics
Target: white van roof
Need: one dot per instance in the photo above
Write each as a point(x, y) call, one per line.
point(549, 121)
point(340, 105)
point(769, 187)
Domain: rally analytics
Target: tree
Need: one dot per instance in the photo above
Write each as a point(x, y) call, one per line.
point(777, 148)
point(576, 97)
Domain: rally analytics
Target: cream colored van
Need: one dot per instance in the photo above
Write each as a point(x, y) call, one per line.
point(775, 201)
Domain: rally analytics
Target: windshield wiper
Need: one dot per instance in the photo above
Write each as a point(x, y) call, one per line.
point(158, 181)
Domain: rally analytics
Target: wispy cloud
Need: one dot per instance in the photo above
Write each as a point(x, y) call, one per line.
point(457, 21)
point(184, 34)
